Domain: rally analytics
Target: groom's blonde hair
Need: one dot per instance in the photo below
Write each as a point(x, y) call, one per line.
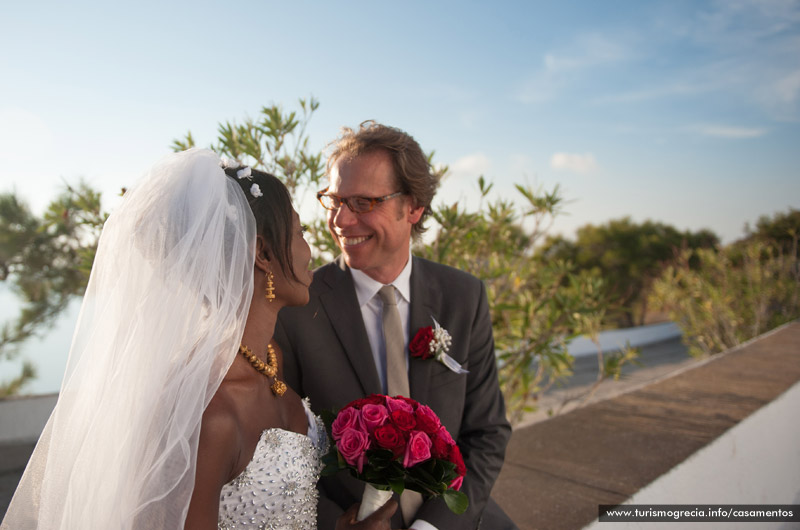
point(412, 170)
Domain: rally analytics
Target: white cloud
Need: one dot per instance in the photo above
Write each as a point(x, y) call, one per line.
point(587, 51)
point(470, 166)
point(742, 24)
point(787, 89)
point(724, 131)
point(741, 51)
point(680, 89)
point(578, 163)
point(562, 67)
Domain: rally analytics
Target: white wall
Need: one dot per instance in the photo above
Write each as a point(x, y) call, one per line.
point(615, 339)
point(755, 462)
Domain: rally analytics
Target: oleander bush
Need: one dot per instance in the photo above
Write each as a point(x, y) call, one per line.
point(725, 296)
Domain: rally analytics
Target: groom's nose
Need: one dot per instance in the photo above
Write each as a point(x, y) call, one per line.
point(343, 217)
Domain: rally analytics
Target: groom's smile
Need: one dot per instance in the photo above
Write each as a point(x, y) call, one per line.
point(353, 241)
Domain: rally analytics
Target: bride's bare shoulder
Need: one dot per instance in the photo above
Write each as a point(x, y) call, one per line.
point(221, 427)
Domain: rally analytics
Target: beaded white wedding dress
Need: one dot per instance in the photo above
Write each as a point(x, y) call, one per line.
point(277, 489)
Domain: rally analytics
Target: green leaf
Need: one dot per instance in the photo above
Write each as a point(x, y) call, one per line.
point(397, 485)
point(457, 501)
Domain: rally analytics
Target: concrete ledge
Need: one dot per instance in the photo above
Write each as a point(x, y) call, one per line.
point(558, 471)
point(22, 419)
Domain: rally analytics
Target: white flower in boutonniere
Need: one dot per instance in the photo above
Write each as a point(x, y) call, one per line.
point(434, 342)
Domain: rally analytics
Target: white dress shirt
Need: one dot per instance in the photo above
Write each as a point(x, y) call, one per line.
point(372, 311)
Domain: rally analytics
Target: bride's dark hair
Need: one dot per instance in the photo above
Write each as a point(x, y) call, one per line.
point(273, 213)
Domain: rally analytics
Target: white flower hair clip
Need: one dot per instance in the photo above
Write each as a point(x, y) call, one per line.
point(225, 162)
point(232, 213)
point(243, 172)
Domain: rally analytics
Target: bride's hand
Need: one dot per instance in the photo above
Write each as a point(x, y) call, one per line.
point(379, 520)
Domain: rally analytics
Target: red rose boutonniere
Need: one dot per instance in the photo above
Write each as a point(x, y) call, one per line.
point(434, 342)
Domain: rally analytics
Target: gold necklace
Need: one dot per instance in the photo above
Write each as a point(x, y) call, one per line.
point(269, 368)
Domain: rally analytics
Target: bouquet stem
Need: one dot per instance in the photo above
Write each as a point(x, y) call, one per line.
point(372, 499)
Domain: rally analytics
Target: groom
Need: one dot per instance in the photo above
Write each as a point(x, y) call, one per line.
point(335, 348)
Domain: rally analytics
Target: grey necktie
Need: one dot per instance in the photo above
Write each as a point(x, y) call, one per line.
point(396, 373)
point(397, 378)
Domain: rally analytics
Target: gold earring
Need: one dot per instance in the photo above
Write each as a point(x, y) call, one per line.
point(270, 287)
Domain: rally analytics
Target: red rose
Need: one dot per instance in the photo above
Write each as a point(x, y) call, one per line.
point(418, 449)
point(456, 458)
point(440, 447)
point(427, 420)
point(372, 399)
point(403, 420)
point(420, 344)
point(390, 437)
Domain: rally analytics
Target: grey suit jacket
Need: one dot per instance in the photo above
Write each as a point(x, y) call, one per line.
point(327, 357)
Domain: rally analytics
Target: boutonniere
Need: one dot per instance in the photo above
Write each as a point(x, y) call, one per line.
point(434, 342)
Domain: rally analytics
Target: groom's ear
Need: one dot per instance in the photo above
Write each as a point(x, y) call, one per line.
point(263, 255)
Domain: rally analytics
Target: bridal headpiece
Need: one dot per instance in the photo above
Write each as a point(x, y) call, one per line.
point(243, 172)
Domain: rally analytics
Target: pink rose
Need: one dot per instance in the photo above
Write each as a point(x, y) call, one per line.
point(427, 420)
point(373, 416)
point(394, 404)
point(348, 418)
point(418, 449)
point(444, 434)
point(408, 400)
point(353, 446)
point(457, 482)
point(403, 420)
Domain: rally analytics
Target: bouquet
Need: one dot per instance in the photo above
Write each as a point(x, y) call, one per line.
point(394, 443)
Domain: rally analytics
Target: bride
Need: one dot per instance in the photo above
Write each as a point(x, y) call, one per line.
point(172, 413)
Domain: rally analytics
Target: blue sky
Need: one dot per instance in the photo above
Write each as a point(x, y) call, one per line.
point(684, 112)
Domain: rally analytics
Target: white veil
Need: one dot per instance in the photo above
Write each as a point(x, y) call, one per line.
point(160, 324)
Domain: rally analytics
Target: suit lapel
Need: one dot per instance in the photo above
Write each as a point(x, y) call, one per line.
point(341, 306)
point(425, 303)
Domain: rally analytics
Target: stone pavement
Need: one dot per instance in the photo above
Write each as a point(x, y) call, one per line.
point(558, 471)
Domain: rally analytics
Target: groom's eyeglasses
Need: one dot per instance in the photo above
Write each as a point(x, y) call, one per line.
point(356, 204)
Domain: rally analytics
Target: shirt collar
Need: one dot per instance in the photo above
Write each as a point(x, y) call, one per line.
point(367, 288)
